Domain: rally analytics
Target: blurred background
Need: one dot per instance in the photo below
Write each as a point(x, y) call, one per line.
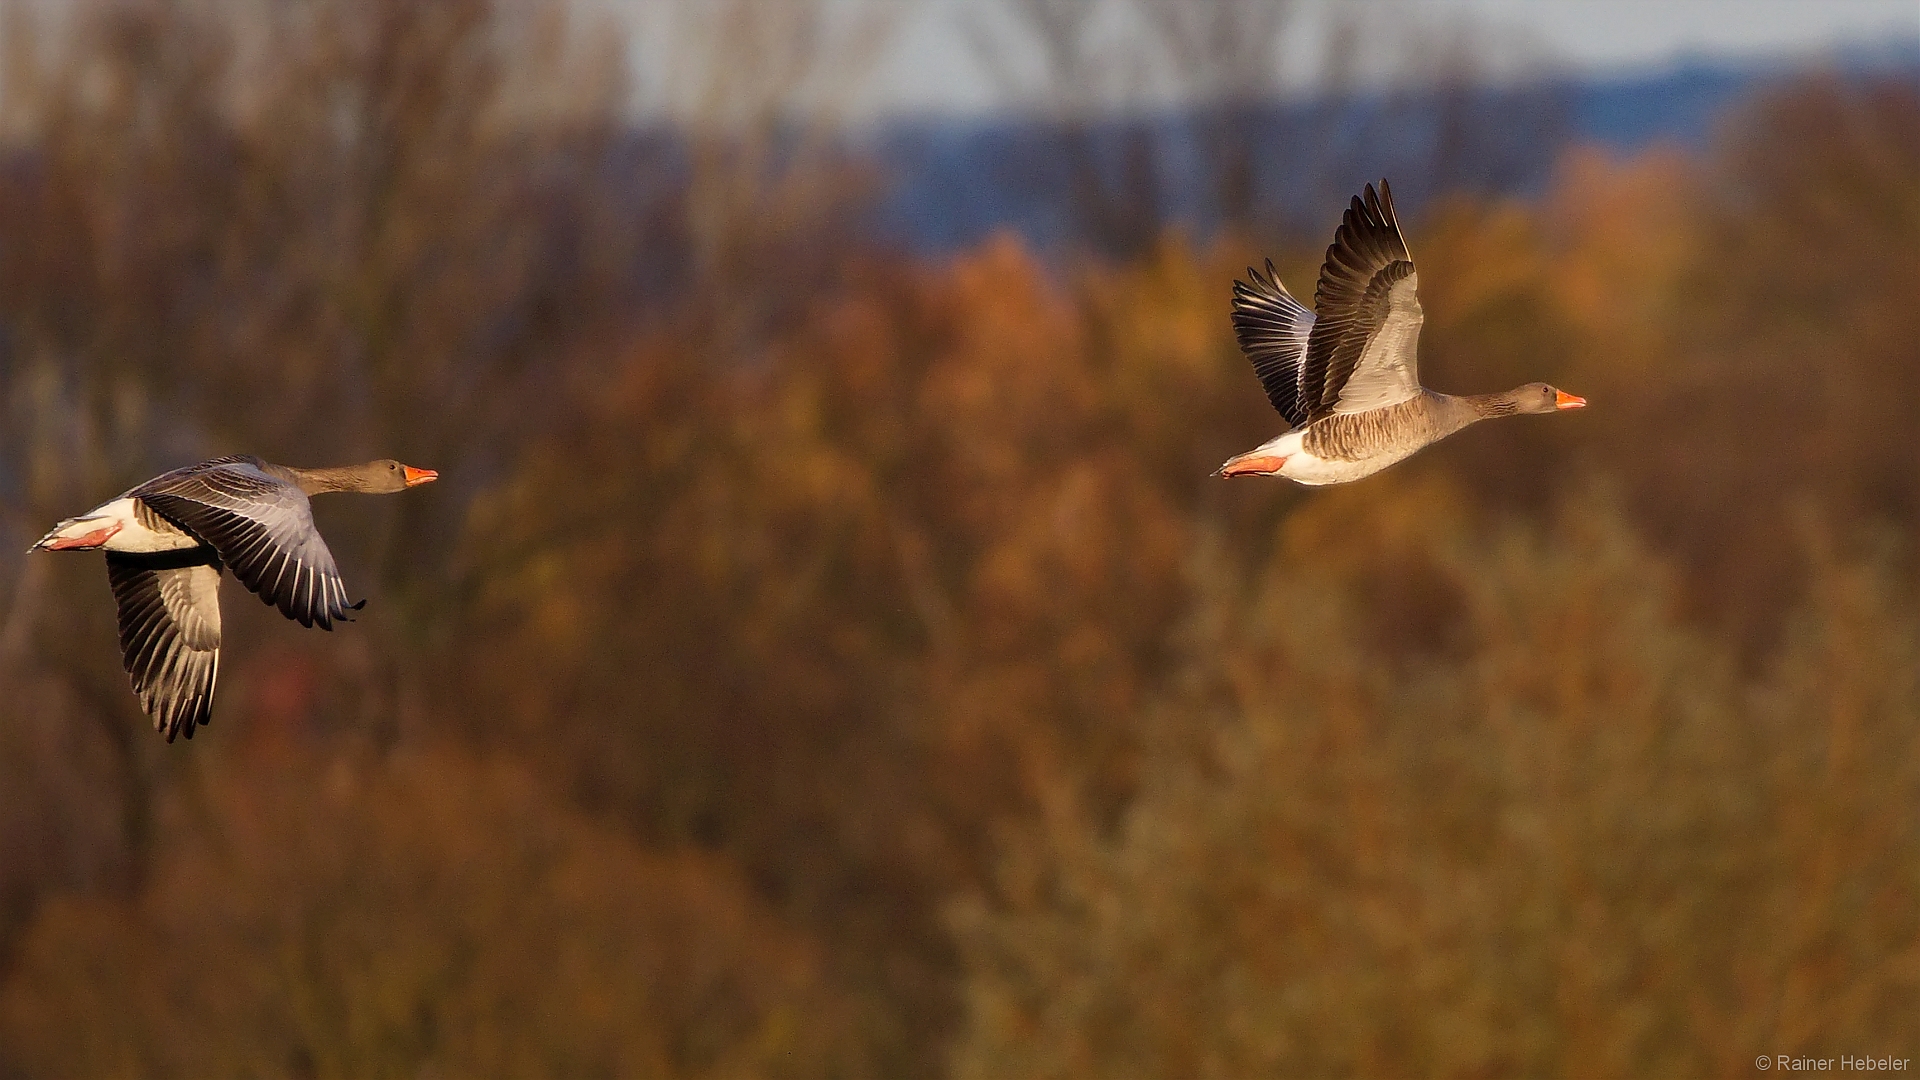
point(826, 654)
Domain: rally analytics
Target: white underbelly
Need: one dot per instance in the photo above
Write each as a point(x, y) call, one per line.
point(1304, 468)
point(134, 535)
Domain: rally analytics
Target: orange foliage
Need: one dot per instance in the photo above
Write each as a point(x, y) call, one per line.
point(351, 918)
point(888, 689)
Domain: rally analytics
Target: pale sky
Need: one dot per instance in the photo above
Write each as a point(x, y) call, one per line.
point(932, 62)
point(1600, 34)
point(933, 66)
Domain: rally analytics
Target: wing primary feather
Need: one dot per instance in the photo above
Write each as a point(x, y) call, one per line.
point(1272, 328)
point(1356, 298)
point(169, 641)
point(260, 525)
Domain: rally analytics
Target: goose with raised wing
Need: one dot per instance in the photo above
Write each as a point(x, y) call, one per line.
point(1344, 375)
point(167, 541)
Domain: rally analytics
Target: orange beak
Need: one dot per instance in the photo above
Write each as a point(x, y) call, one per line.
point(416, 477)
point(1564, 400)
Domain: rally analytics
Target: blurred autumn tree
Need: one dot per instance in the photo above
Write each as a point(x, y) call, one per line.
point(317, 231)
point(224, 231)
point(424, 911)
point(1566, 838)
point(1440, 796)
point(816, 662)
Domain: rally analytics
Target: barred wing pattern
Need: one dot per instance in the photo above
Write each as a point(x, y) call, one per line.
point(1272, 329)
point(1361, 352)
point(262, 527)
point(169, 607)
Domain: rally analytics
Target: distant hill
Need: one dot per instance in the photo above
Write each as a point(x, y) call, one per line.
point(951, 182)
point(1679, 105)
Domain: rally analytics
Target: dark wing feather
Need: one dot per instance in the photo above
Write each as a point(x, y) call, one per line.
point(1368, 315)
point(262, 527)
point(1272, 329)
point(169, 605)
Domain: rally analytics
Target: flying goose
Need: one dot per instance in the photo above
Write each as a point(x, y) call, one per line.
point(1344, 375)
point(167, 540)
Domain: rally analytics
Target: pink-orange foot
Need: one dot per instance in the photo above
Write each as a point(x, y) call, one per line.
point(1261, 465)
point(94, 539)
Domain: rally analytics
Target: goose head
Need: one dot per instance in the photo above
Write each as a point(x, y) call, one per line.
point(1538, 397)
point(386, 476)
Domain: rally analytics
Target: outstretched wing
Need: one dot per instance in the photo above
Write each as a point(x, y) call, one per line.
point(262, 527)
point(169, 633)
point(1272, 329)
point(1360, 354)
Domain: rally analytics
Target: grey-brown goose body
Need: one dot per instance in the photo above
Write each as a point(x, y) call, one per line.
point(1345, 375)
point(167, 542)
